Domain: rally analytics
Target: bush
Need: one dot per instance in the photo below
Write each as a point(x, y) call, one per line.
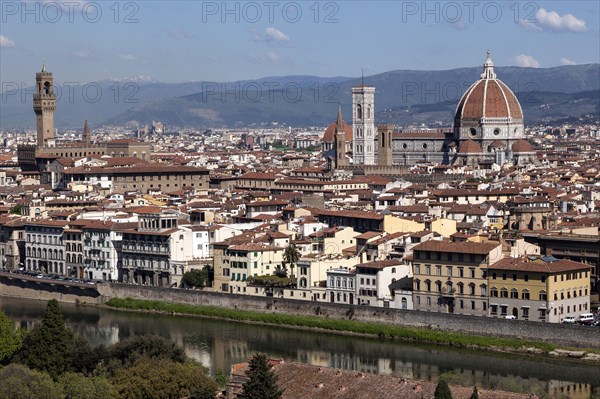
point(21, 382)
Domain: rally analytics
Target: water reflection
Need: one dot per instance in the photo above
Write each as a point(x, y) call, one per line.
point(219, 344)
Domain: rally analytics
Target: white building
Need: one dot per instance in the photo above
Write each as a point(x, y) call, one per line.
point(363, 125)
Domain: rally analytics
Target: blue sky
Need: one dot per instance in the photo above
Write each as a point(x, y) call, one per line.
point(175, 41)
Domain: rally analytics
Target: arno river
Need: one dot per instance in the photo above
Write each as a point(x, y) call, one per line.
point(219, 344)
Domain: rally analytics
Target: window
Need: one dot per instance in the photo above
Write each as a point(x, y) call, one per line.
point(525, 294)
point(427, 269)
point(472, 272)
point(472, 305)
point(449, 271)
point(417, 269)
point(543, 296)
point(514, 294)
point(525, 313)
point(461, 272)
point(461, 288)
point(438, 270)
point(494, 292)
point(503, 293)
point(503, 276)
point(428, 301)
point(514, 277)
point(471, 289)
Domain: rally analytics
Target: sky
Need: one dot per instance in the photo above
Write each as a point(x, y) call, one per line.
point(180, 41)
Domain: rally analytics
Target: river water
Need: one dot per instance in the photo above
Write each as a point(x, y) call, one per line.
point(219, 344)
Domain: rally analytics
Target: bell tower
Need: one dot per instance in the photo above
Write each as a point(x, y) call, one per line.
point(44, 106)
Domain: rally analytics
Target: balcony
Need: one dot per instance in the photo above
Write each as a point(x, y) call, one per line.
point(448, 293)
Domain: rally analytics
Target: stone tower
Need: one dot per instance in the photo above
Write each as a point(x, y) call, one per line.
point(86, 133)
point(44, 106)
point(340, 141)
point(363, 125)
point(384, 144)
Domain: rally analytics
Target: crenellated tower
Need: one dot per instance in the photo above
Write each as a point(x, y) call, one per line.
point(44, 106)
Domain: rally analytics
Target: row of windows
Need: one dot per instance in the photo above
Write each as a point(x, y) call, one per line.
point(471, 258)
point(339, 282)
point(449, 288)
point(449, 271)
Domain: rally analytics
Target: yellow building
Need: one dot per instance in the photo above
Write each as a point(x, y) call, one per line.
point(539, 289)
point(451, 277)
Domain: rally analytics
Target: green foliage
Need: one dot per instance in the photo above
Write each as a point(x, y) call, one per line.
point(48, 346)
point(262, 382)
point(162, 378)
point(20, 382)
point(11, 338)
point(291, 256)
point(329, 324)
point(475, 394)
point(153, 347)
point(281, 271)
point(85, 358)
point(16, 210)
point(196, 277)
point(221, 378)
point(270, 281)
point(78, 386)
point(442, 390)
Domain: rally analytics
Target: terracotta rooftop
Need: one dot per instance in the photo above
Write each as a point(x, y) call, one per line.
point(313, 382)
point(538, 265)
point(457, 247)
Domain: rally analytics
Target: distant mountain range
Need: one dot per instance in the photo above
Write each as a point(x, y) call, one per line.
point(405, 97)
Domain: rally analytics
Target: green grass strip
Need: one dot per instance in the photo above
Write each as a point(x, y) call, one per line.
point(375, 329)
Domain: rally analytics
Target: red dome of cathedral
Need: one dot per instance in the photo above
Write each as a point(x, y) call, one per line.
point(522, 146)
point(489, 97)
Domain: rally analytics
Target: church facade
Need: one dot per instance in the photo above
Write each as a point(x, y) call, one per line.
point(488, 128)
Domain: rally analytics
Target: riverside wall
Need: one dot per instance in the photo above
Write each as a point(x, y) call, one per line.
point(569, 335)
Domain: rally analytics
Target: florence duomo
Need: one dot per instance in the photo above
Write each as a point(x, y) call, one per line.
point(488, 128)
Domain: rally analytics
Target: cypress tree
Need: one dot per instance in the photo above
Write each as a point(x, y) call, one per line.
point(262, 382)
point(442, 390)
point(48, 346)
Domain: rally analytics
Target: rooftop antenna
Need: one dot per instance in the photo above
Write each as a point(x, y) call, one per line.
point(362, 78)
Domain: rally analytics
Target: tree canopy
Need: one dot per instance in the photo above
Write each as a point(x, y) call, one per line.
point(262, 382)
point(442, 390)
point(162, 378)
point(197, 277)
point(19, 381)
point(48, 346)
point(11, 338)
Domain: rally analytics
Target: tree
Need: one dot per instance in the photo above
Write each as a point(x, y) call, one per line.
point(291, 256)
point(196, 277)
point(78, 386)
point(162, 378)
point(262, 382)
point(11, 338)
point(16, 210)
point(130, 350)
point(442, 390)
point(20, 382)
point(48, 346)
point(475, 394)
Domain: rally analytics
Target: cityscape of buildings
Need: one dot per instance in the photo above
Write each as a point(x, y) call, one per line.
point(488, 217)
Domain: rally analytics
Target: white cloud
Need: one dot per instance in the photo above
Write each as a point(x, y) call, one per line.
point(269, 57)
point(274, 35)
point(127, 57)
point(6, 42)
point(82, 54)
point(566, 61)
point(551, 20)
point(524, 60)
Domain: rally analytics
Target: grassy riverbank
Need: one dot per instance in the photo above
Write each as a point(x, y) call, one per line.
point(342, 326)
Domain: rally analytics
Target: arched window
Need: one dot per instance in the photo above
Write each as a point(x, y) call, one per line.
point(404, 303)
point(359, 111)
point(494, 292)
point(525, 294)
point(503, 293)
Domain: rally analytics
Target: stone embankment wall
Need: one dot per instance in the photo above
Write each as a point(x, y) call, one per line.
point(556, 333)
point(43, 290)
